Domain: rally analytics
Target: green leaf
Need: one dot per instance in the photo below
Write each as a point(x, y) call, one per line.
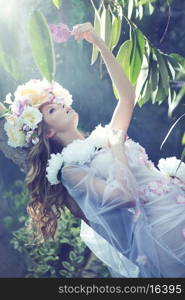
point(174, 62)
point(67, 265)
point(171, 98)
point(72, 255)
point(42, 45)
point(64, 273)
point(179, 58)
point(152, 88)
point(183, 155)
point(5, 113)
point(123, 58)
point(115, 92)
point(163, 71)
point(9, 64)
point(106, 26)
point(146, 92)
point(183, 139)
point(143, 76)
point(130, 8)
point(144, 2)
point(149, 9)
point(154, 75)
point(80, 259)
point(177, 99)
point(140, 12)
point(171, 69)
point(136, 58)
point(115, 32)
point(97, 28)
point(8, 221)
point(57, 3)
point(161, 93)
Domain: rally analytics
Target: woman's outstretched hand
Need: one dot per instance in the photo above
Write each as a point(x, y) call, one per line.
point(86, 31)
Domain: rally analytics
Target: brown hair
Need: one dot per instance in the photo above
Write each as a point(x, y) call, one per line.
point(47, 201)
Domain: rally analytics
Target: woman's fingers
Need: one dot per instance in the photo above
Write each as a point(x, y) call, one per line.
point(79, 30)
point(80, 35)
point(76, 33)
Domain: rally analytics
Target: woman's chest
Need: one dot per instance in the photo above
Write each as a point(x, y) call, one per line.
point(101, 162)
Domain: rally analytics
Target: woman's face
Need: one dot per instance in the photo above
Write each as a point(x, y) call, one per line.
point(59, 117)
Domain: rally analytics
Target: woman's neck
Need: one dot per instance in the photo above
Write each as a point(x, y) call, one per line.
point(68, 137)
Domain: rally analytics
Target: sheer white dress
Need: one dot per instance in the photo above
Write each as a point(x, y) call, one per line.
point(137, 224)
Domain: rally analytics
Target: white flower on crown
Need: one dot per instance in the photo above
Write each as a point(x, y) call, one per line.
point(31, 117)
point(13, 129)
point(8, 99)
point(169, 166)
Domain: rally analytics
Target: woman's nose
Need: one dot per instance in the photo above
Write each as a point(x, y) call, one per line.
point(64, 107)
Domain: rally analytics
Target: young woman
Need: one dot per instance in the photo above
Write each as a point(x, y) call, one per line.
point(135, 212)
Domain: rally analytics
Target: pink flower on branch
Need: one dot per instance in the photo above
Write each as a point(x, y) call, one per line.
point(60, 32)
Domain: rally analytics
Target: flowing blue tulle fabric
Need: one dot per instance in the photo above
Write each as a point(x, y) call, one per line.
point(136, 226)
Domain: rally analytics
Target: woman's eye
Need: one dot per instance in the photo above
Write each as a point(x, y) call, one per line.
point(51, 110)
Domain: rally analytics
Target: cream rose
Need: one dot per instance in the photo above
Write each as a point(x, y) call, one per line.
point(16, 137)
point(15, 122)
point(36, 96)
point(31, 117)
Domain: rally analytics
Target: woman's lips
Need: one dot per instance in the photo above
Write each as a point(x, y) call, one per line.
point(69, 110)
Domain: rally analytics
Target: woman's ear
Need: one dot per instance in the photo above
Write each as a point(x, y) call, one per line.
point(50, 133)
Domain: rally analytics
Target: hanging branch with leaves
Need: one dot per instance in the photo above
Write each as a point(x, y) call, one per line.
point(147, 67)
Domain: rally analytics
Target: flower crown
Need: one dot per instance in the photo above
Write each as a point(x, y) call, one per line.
point(23, 114)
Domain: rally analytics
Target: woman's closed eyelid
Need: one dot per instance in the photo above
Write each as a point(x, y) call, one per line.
point(51, 109)
point(63, 105)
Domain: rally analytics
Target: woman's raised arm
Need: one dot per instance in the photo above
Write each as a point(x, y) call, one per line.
point(124, 109)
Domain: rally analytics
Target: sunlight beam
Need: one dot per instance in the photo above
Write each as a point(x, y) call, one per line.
point(7, 8)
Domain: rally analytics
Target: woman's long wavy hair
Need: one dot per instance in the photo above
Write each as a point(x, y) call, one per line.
point(47, 201)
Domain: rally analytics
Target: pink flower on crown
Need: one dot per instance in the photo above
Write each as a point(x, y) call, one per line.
point(18, 106)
